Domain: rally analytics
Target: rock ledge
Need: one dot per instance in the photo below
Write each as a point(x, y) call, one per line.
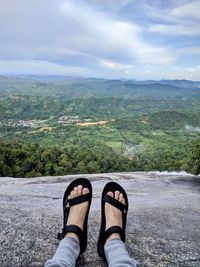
point(162, 229)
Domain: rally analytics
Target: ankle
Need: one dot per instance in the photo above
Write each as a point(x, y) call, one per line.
point(113, 236)
point(73, 236)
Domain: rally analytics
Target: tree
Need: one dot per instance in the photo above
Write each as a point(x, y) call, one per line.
point(193, 163)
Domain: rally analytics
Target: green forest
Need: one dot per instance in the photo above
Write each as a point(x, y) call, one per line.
point(73, 125)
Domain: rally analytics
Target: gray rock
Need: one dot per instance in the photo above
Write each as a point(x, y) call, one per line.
point(162, 228)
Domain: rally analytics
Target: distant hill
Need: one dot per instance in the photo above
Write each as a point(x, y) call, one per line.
point(172, 120)
point(91, 87)
point(160, 120)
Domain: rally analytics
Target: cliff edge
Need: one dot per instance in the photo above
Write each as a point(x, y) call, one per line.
point(162, 228)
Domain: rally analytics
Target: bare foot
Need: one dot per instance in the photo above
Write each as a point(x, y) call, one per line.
point(114, 215)
point(78, 212)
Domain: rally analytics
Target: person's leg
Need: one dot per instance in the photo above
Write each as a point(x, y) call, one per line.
point(66, 254)
point(117, 255)
point(69, 248)
point(115, 251)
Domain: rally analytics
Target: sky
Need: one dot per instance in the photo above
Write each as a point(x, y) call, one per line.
point(124, 39)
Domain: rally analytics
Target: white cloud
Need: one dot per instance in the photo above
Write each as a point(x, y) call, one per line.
point(30, 31)
point(175, 73)
point(38, 67)
point(187, 10)
point(64, 36)
point(144, 72)
point(119, 68)
point(111, 5)
point(195, 50)
point(183, 19)
point(116, 40)
point(175, 29)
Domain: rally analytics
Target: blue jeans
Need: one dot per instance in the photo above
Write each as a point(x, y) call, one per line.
point(68, 252)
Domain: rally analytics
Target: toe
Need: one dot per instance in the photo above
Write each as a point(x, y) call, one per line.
point(80, 187)
point(121, 197)
point(123, 201)
point(75, 191)
point(72, 194)
point(110, 194)
point(117, 195)
point(69, 197)
point(85, 191)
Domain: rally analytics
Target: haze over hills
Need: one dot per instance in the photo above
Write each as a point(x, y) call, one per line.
point(91, 87)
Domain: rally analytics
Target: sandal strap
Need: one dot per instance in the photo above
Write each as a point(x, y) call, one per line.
point(113, 230)
point(78, 200)
point(115, 203)
point(73, 229)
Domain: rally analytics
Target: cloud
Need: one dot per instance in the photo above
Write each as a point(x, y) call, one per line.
point(113, 65)
point(187, 10)
point(111, 5)
point(96, 37)
point(176, 29)
point(30, 31)
point(119, 41)
point(159, 73)
point(179, 20)
point(191, 51)
point(38, 67)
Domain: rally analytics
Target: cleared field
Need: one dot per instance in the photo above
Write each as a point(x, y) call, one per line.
point(91, 123)
point(116, 146)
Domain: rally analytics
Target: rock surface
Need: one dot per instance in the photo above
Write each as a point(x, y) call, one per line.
point(163, 227)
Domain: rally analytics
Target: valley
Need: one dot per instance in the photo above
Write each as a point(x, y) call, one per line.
point(148, 126)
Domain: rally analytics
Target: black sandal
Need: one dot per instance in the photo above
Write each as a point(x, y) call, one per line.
point(104, 234)
point(82, 234)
